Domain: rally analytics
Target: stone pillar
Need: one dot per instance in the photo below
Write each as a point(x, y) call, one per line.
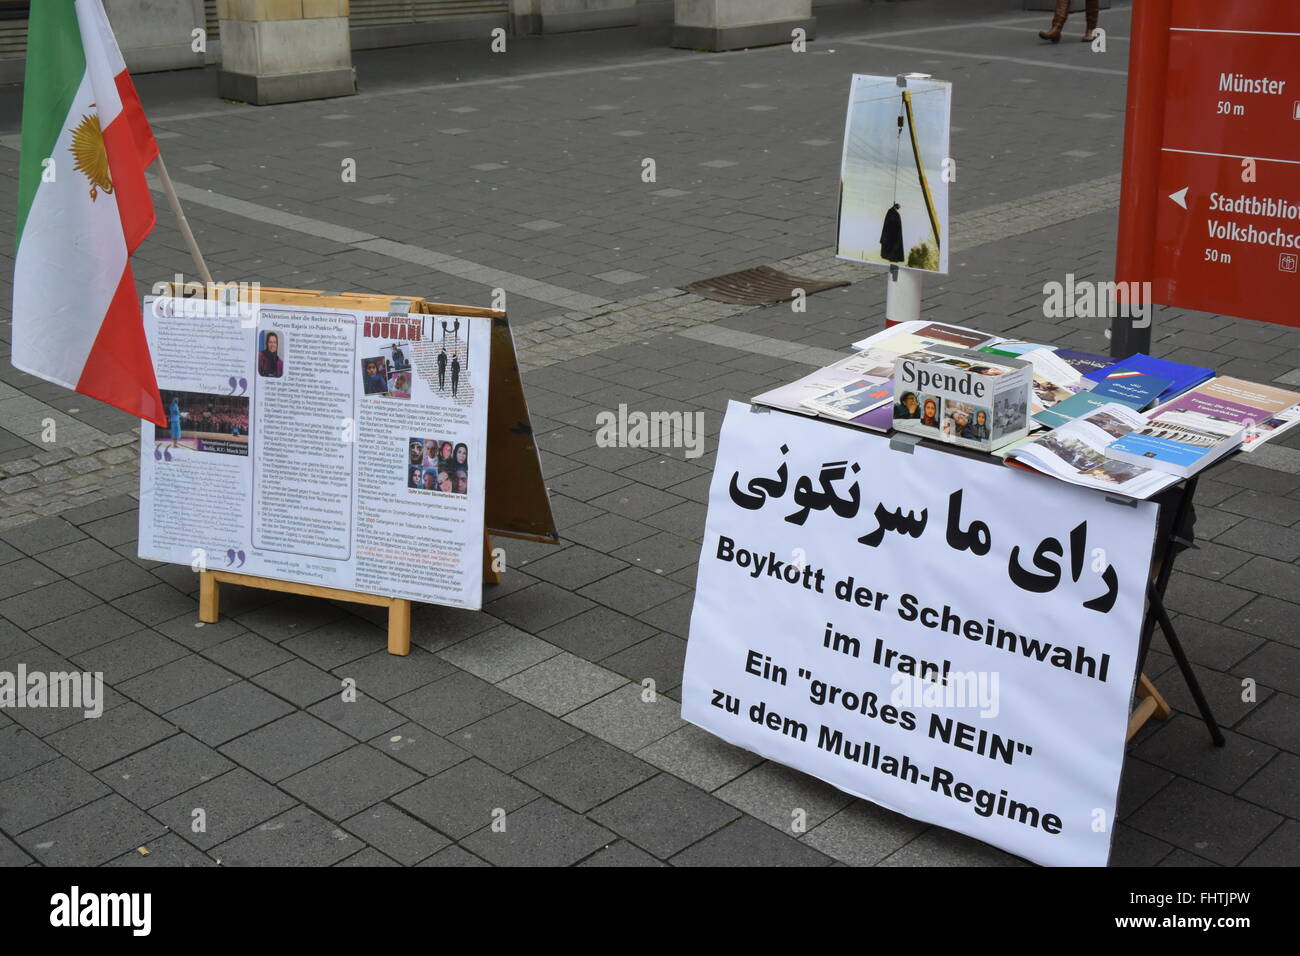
point(157, 34)
point(280, 51)
point(735, 24)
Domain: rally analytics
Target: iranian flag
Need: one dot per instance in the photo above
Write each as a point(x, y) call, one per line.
point(83, 208)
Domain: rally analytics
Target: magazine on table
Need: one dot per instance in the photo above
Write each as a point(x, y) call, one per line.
point(848, 401)
point(1178, 441)
point(1076, 452)
point(1264, 411)
point(918, 335)
point(859, 366)
point(1182, 377)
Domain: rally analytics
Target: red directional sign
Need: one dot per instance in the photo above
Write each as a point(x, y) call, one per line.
point(1211, 198)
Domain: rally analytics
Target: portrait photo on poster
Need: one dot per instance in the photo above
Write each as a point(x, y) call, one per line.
point(895, 172)
point(270, 354)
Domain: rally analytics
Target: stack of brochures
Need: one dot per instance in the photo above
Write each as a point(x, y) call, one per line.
point(1132, 427)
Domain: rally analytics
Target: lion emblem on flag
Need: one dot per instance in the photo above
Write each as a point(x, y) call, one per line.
point(92, 158)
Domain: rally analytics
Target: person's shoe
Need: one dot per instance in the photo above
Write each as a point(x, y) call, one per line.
point(1093, 13)
point(1059, 17)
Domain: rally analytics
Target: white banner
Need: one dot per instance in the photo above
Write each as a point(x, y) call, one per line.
point(950, 639)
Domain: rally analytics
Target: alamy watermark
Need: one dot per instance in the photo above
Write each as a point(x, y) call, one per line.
point(1089, 299)
point(78, 690)
point(637, 429)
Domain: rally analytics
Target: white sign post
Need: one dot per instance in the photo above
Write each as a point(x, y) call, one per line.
point(951, 640)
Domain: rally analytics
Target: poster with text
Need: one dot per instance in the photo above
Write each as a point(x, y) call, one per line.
point(951, 639)
point(334, 447)
point(895, 172)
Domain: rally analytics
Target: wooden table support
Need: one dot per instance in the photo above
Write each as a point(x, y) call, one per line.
point(399, 609)
point(1150, 704)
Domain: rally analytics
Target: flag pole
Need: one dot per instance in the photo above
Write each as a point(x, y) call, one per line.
point(182, 222)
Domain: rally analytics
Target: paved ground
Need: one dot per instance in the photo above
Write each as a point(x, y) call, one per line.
point(522, 171)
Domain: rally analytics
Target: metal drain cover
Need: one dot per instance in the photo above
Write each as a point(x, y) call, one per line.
point(760, 286)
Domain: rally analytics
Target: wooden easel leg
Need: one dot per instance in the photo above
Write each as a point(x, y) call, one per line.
point(399, 627)
point(490, 573)
point(209, 598)
point(1150, 704)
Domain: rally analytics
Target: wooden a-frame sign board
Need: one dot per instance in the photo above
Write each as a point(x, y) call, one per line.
point(516, 503)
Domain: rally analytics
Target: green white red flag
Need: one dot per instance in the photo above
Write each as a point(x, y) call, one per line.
point(83, 208)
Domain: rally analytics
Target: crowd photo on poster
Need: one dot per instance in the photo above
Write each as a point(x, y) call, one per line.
point(200, 421)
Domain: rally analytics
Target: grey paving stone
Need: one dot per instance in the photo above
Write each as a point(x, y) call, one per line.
point(420, 748)
point(538, 607)
point(383, 676)
point(362, 718)
point(622, 854)
point(398, 834)
point(1275, 721)
point(166, 851)
point(541, 833)
point(607, 532)
point(176, 683)
point(229, 805)
point(160, 772)
point(45, 792)
point(288, 745)
point(42, 605)
point(188, 630)
point(627, 719)
point(299, 683)
point(290, 617)
point(122, 579)
point(936, 847)
point(1280, 848)
point(585, 773)
point(130, 656)
point(297, 837)
point(1132, 848)
point(775, 794)
point(863, 834)
point(1139, 782)
point(746, 842)
point(515, 736)
point(78, 556)
point(449, 704)
point(229, 713)
point(1220, 828)
point(575, 567)
point(1182, 745)
point(497, 654)
point(659, 658)
point(664, 815)
point(96, 742)
point(454, 856)
point(1273, 665)
point(462, 799)
point(596, 633)
point(248, 654)
point(38, 537)
point(337, 643)
point(156, 604)
point(698, 757)
point(1274, 786)
point(368, 857)
point(93, 834)
point(561, 683)
point(344, 785)
point(21, 750)
point(637, 501)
